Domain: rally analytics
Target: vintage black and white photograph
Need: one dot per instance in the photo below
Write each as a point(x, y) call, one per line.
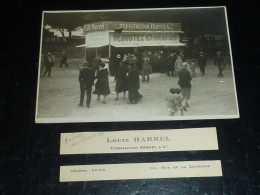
point(135, 65)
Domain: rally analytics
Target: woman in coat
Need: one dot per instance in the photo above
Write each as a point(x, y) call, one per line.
point(185, 83)
point(102, 84)
point(133, 84)
point(120, 78)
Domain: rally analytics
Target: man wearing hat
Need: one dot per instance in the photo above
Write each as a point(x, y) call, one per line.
point(219, 62)
point(63, 59)
point(202, 62)
point(171, 64)
point(49, 63)
point(86, 80)
point(146, 68)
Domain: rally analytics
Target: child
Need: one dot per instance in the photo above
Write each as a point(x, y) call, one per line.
point(192, 66)
point(174, 101)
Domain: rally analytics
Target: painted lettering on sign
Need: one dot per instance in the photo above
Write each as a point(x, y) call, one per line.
point(56, 39)
point(140, 38)
point(132, 26)
point(94, 27)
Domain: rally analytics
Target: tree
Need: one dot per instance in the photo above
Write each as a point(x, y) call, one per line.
point(64, 21)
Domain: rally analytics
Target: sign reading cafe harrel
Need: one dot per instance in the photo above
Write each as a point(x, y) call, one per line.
point(131, 26)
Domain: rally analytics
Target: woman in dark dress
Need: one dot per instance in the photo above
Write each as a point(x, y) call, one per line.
point(120, 78)
point(133, 84)
point(185, 83)
point(102, 84)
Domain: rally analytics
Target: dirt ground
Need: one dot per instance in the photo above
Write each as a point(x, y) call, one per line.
point(211, 97)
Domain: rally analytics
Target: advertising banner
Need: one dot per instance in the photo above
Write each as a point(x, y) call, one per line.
point(144, 39)
point(131, 26)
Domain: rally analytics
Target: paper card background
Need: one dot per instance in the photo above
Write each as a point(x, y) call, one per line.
point(30, 157)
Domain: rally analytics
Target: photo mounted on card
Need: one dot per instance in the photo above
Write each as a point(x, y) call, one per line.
point(135, 65)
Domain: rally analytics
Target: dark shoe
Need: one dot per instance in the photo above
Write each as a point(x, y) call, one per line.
point(116, 98)
point(80, 105)
point(87, 106)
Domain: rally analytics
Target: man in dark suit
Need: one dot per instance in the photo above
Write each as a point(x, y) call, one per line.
point(202, 62)
point(220, 63)
point(49, 63)
point(64, 59)
point(86, 80)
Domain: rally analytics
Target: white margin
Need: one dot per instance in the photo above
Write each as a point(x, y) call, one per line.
point(131, 119)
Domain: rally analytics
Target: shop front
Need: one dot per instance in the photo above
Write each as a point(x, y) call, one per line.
point(108, 37)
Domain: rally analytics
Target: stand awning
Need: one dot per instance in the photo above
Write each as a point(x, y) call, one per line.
point(126, 45)
point(92, 45)
point(174, 44)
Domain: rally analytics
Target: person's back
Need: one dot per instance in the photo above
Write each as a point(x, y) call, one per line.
point(202, 60)
point(87, 76)
point(96, 62)
point(172, 60)
point(146, 63)
point(218, 59)
point(184, 78)
point(86, 80)
point(64, 55)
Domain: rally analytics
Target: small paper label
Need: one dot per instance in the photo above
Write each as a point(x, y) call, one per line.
point(141, 171)
point(139, 141)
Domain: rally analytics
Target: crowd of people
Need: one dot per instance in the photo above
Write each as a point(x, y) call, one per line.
point(48, 61)
point(126, 78)
point(127, 68)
